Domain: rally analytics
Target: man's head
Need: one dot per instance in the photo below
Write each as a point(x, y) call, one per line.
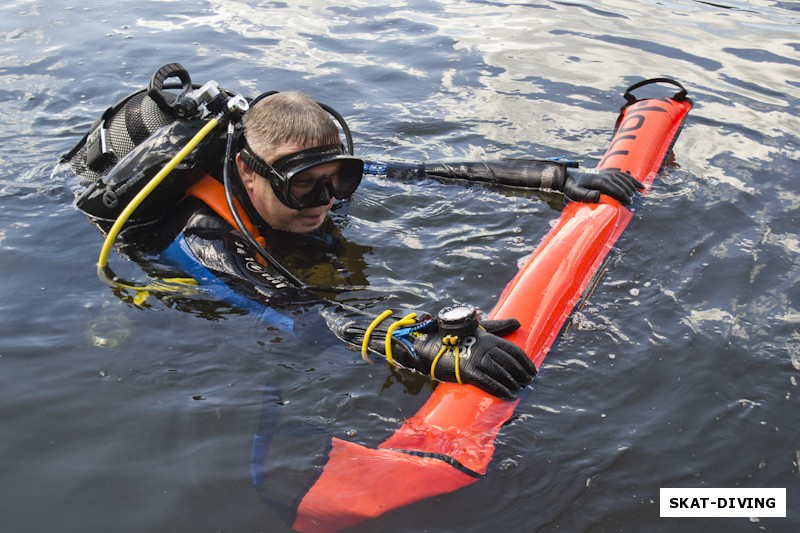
point(292, 165)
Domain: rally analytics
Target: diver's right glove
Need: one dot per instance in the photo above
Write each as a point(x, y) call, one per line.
point(453, 347)
point(586, 185)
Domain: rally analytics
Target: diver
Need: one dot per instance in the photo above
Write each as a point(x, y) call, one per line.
point(280, 168)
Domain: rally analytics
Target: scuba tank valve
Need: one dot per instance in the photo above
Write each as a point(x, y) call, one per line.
point(209, 99)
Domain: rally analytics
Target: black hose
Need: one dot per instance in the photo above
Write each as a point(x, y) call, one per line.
point(251, 240)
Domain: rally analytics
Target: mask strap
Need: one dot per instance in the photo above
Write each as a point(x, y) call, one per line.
point(256, 164)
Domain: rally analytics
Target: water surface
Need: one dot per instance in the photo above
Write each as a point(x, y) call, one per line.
point(681, 368)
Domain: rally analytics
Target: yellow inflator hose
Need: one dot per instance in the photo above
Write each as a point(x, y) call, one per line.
point(102, 261)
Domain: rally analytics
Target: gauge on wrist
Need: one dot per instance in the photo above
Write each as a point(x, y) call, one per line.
point(460, 320)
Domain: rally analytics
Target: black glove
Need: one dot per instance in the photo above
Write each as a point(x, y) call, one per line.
point(483, 359)
point(584, 186)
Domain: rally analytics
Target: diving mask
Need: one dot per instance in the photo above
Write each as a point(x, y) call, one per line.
point(297, 184)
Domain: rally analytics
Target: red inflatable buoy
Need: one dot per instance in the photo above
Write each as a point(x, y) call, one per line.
point(449, 443)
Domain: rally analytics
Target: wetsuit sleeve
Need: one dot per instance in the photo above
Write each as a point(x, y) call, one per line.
point(532, 173)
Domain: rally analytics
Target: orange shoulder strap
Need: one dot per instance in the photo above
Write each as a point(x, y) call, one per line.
point(212, 193)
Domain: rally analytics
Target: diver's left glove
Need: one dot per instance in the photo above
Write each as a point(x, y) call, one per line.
point(451, 347)
point(586, 186)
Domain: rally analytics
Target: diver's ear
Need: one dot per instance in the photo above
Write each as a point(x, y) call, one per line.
point(246, 173)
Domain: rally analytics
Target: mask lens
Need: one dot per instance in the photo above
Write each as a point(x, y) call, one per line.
point(348, 178)
point(316, 185)
point(303, 185)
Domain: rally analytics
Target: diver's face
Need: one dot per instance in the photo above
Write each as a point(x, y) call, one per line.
point(271, 208)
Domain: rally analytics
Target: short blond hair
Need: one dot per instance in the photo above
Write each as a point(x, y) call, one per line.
point(287, 117)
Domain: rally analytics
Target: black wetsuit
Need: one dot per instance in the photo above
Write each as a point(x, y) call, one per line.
point(195, 241)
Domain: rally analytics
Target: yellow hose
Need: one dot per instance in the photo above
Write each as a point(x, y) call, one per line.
point(102, 261)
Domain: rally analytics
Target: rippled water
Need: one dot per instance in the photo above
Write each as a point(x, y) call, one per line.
point(681, 369)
